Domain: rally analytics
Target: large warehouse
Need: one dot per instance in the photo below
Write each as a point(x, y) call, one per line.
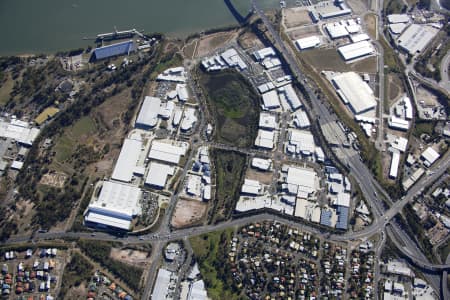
point(115, 206)
point(166, 152)
point(416, 37)
point(270, 100)
point(127, 161)
point(308, 42)
point(148, 115)
point(355, 92)
point(113, 50)
point(356, 50)
point(301, 142)
point(302, 182)
point(158, 174)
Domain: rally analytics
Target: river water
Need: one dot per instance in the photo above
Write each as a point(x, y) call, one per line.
point(45, 26)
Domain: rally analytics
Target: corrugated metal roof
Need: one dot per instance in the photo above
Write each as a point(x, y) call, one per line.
point(113, 50)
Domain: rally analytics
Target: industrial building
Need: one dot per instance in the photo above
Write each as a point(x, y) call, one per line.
point(398, 123)
point(176, 74)
point(355, 38)
point(115, 207)
point(18, 130)
point(429, 156)
point(251, 187)
point(165, 284)
point(398, 18)
point(182, 92)
point(264, 53)
point(189, 119)
point(166, 110)
point(336, 30)
point(261, 164)
point(332, 11)
point(113, 50)
point(354, 92)
point(148, 115)
point(301, 182)
point(288, 93)
point(265, 87)
point(300, 142)
point(158, 174)
point(270, 100)
point(127, 161)
point(307, 210)
point(166, 152)
point(356, 50)
point(416, 38)
point(265, 139)
point(301, 120)
point(398, 28)
point(393, 170)
point(232, 58)
point(267, 121)
point(308, 42)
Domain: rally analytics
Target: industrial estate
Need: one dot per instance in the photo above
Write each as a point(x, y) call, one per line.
point(302, 154)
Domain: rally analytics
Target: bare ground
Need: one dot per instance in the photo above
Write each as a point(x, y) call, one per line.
point(249, 40)
point(188, 212)
point(425, 95)
point(294, 17)
point(262, 177)
point(55, 179)
point(211, 43)
point(130, 256)
point(303, 32)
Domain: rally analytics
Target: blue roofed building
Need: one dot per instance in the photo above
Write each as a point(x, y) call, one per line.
point(325, 217)
point(342, 221)
point(112, 50)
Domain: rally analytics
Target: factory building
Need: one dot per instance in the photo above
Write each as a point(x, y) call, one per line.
point(261, 164)
point(398, 123)
point(188, 120)
point(232, 58)
point(356, 50)
point(148, 115)
point(288, 93)
point(127, 162)
point(429, 156)
point(176, 74)
point(166, 152)
point(308, 42)
point(416, 38)
point(270, 100)
point(301, 182)
point(18, 130)
point(300, 142)
point(301, 120)
point(393, 170)
point(114, 208)
point(398, 18)
point(158, 174)
point(262, 54)
point(123, 48)
point(267, 121)
point(354, 92)
point(265, 139)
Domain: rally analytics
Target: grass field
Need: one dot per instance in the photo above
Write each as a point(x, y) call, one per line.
point(235, 106)
point(210, 252)
point(5, 90)
point(371, 21)
point(230, 168)
point(330, 60)
point(84, 126)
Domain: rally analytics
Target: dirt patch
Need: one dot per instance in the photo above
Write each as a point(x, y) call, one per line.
point(190, 49)
point(262, 177)
point(249, 40)
point(294, 17)
point(211, 43)
point(54, 179)
point(188, 212)
point(371, 23)
point(358, 6)
point(303, 32)
point(130, 256)
point(394, 88)
point(428, 97)
point(77, 292)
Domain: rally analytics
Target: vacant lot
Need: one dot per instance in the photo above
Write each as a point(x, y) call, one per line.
point(330, 60)
point(235, 106)
point(230, 167)
point(130, 256)
point(188, 212)
point(54, 179)
point(212, 42)
point(394, 87)
point(296, 33)
point(5, 89)
point(371, 23)
point(296, 16)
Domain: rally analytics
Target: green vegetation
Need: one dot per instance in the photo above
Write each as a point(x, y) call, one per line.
point(85, 125)
point(395, 7)
point(78, 270)
point(234, 105)
point(230, 169)
point(211, 255)
point(421, 127)
point(100, 252)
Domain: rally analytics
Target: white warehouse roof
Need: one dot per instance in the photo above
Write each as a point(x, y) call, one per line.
point(356, 50)
point(267, 121)
point(303, 141)
point(161, 287)
point(262, 164)
point(128, 158)
point(416, 38)
point(336, 30)
point(359, 37)
point(398, 18)
point(265, 139)
point(148, 115)
point(271, 100)
point(430, 156)
point(291, 96)
point(167, 152)
point(116, 205)
point(355, 91)
point(393, 171)
point(305, 180)
point(263, 53)
point(19, 131)
point(157, 174)
point(308, 42)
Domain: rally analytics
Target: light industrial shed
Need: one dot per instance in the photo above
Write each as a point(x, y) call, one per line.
point(158, 174)
point(308, 42)
point(356, 50)
point(354, 91)
point(416, 37)
point(166, 152)
point(127, 161)
point(148, 115)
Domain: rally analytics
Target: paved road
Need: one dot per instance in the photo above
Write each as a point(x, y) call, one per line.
point(445, 80)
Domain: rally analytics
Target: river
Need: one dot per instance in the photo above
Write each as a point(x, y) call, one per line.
point(46, 26)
